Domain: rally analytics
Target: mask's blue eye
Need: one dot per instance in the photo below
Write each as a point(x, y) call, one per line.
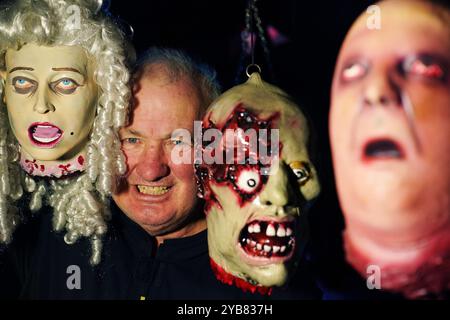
point(24, 85)
point(64, 86)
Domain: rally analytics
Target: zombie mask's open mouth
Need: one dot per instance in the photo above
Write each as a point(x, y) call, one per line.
point(382, 149)
point(44, 134)
point(268, 239)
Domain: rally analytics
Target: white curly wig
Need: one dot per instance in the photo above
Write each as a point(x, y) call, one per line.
point(80, 202)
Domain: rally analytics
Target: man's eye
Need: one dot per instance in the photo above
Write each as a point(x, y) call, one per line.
point(179, 142)
point(248, 180)
point(424, 68)
point(130, 140)
point(353, 71)
point(301, 171)
point(64, 86)
point(24, 85)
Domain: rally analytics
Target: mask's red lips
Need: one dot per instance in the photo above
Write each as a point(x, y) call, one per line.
point(268, 239)
point(44, 134)
point(382, 149)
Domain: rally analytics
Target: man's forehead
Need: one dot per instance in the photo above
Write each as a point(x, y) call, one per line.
point(145, 123)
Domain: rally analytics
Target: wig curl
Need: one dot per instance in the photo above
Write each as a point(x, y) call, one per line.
point(80, 201)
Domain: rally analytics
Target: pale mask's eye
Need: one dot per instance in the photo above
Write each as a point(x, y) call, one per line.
point(425, 67)
point(248, 180)
point(353, 71)
point(301, 171)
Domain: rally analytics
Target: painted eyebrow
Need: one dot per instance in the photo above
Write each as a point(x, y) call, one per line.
point(20, 68)
point(67, 69)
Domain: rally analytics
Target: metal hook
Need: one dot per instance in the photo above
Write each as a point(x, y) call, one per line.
point(253, 65)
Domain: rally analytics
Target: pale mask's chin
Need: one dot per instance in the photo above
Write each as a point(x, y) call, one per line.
point(52, 168)
point(416, 270)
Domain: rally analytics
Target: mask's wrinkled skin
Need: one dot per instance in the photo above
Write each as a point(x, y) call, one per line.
point(51, 98)
point(390, 138)
point(256, 222)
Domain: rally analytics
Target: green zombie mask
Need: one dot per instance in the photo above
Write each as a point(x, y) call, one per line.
point(256, 177)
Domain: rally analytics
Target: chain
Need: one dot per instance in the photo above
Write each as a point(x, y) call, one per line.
point(261, 34)
point(248, 46)
point(252, 19)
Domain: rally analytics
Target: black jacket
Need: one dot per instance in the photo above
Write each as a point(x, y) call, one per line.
point(40, 265)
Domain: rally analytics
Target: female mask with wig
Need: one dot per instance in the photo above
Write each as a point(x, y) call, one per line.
point(64, 88)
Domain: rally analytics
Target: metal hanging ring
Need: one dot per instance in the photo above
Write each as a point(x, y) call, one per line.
point(253, 65)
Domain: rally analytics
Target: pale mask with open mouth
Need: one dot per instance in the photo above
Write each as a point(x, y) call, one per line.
point(51, 98)
point(389, 131)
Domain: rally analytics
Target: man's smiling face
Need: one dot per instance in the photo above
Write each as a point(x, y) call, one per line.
point(157, 193)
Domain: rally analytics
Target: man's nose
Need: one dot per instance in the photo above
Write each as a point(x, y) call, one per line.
point(277, 191)
point(381, 90)
point(152, 164)
point(43, 104)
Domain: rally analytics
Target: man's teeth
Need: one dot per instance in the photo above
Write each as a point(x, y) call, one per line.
point(154, 191)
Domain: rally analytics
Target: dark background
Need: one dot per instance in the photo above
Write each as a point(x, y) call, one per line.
point(303, 66)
